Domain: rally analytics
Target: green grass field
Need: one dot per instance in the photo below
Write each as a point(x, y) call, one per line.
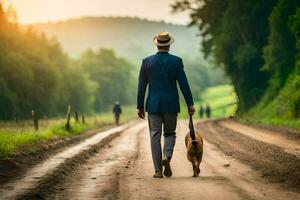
point(14, 136)
point(218, 97)
point(273, 121)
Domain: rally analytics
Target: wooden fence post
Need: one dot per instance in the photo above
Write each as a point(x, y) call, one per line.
point(83, 119)
point(76, 117)
point(68, 126)
point(35, 120)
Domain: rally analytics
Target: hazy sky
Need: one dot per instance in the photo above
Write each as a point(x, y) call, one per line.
point(30, 11)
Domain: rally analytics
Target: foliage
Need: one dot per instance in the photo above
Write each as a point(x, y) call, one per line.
point(113, 75)
point(230, 32)
point(13, 139)
point(35, 74)
point(294, 24)
point(258, 42)
point(202, 75)
point(134, 42)
point(221, 98)
point(16, 136)
point(280, 52)
point(281, 102)
point(78, 90)
point(295, 100)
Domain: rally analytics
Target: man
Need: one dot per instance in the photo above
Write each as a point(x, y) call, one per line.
point(117, 111)
point(208, 111)
point(161, 72)
point(201, 111)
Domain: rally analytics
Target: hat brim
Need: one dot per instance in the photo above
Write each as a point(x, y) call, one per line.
point(157, 43)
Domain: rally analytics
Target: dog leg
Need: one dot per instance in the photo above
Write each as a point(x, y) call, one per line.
point(198, 163)
point(194, 168)
point(198, 167)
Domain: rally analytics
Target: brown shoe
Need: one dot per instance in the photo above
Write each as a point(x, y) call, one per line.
point(158, 175)
point(167, 171)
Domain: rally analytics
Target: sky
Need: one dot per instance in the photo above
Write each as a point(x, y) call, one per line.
point(32, 11)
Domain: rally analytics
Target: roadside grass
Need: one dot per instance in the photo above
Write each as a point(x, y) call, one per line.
point(290, 123)
point(218, 97)
point(267, 114)
point(278, 110)
point(14, 136)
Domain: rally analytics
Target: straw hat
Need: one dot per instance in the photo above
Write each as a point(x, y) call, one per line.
point(163, 39)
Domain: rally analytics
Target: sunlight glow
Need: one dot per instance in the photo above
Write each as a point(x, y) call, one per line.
point(32, 11)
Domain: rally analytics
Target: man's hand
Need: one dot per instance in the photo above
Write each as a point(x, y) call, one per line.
point(141, 113)
point(191, 110)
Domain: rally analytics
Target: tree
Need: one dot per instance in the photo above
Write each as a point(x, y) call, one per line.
point(34, 74)
point(114, 77)
point(279, 54)
point(234, 32)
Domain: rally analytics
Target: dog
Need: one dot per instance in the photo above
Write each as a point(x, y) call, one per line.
point(194, 151)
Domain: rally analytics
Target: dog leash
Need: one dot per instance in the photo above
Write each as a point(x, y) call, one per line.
point(192, 130)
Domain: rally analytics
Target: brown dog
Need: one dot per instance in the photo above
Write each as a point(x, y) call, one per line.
point(194, 151)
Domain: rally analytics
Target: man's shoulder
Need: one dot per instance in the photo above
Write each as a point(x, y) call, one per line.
point(149, 57)
point(177, 58)
point(173, 57)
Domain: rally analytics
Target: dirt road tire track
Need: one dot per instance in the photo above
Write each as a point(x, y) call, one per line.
point(222, 177)
point(271, 161)
point(49, 184)
point(98, 177)
point(120, 167)
point(27, 156)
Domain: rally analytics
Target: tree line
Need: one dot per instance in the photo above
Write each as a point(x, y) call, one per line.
point(202, 75)
point(257, 43)
point(35, 74)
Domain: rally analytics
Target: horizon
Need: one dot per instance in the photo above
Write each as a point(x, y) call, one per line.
point(102, 16)
point(43, 11)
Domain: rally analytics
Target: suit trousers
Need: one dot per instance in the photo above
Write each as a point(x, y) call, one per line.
point(158, 122)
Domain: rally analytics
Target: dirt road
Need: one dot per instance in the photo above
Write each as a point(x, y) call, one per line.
point(121, 168)
point(222, 177)
point(266, 136)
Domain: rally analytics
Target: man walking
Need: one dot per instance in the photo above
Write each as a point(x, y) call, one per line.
point(201, 111)
point(117, 112)
point(208, 111)
point(160, 72)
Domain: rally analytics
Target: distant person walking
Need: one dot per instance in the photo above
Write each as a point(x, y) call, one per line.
point(201, 111)
point(117, 112)
point(160, 72)
point(208, 111)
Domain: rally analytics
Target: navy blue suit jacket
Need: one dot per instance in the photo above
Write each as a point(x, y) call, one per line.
point(161, 72)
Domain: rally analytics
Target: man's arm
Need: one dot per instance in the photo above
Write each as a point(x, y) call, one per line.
point(185, 88)
point(142, 85)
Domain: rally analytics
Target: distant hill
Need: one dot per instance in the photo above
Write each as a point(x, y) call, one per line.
point(129, 37)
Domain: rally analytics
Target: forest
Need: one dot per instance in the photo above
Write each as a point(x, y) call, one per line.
point(36, 74)
point(257, 43)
